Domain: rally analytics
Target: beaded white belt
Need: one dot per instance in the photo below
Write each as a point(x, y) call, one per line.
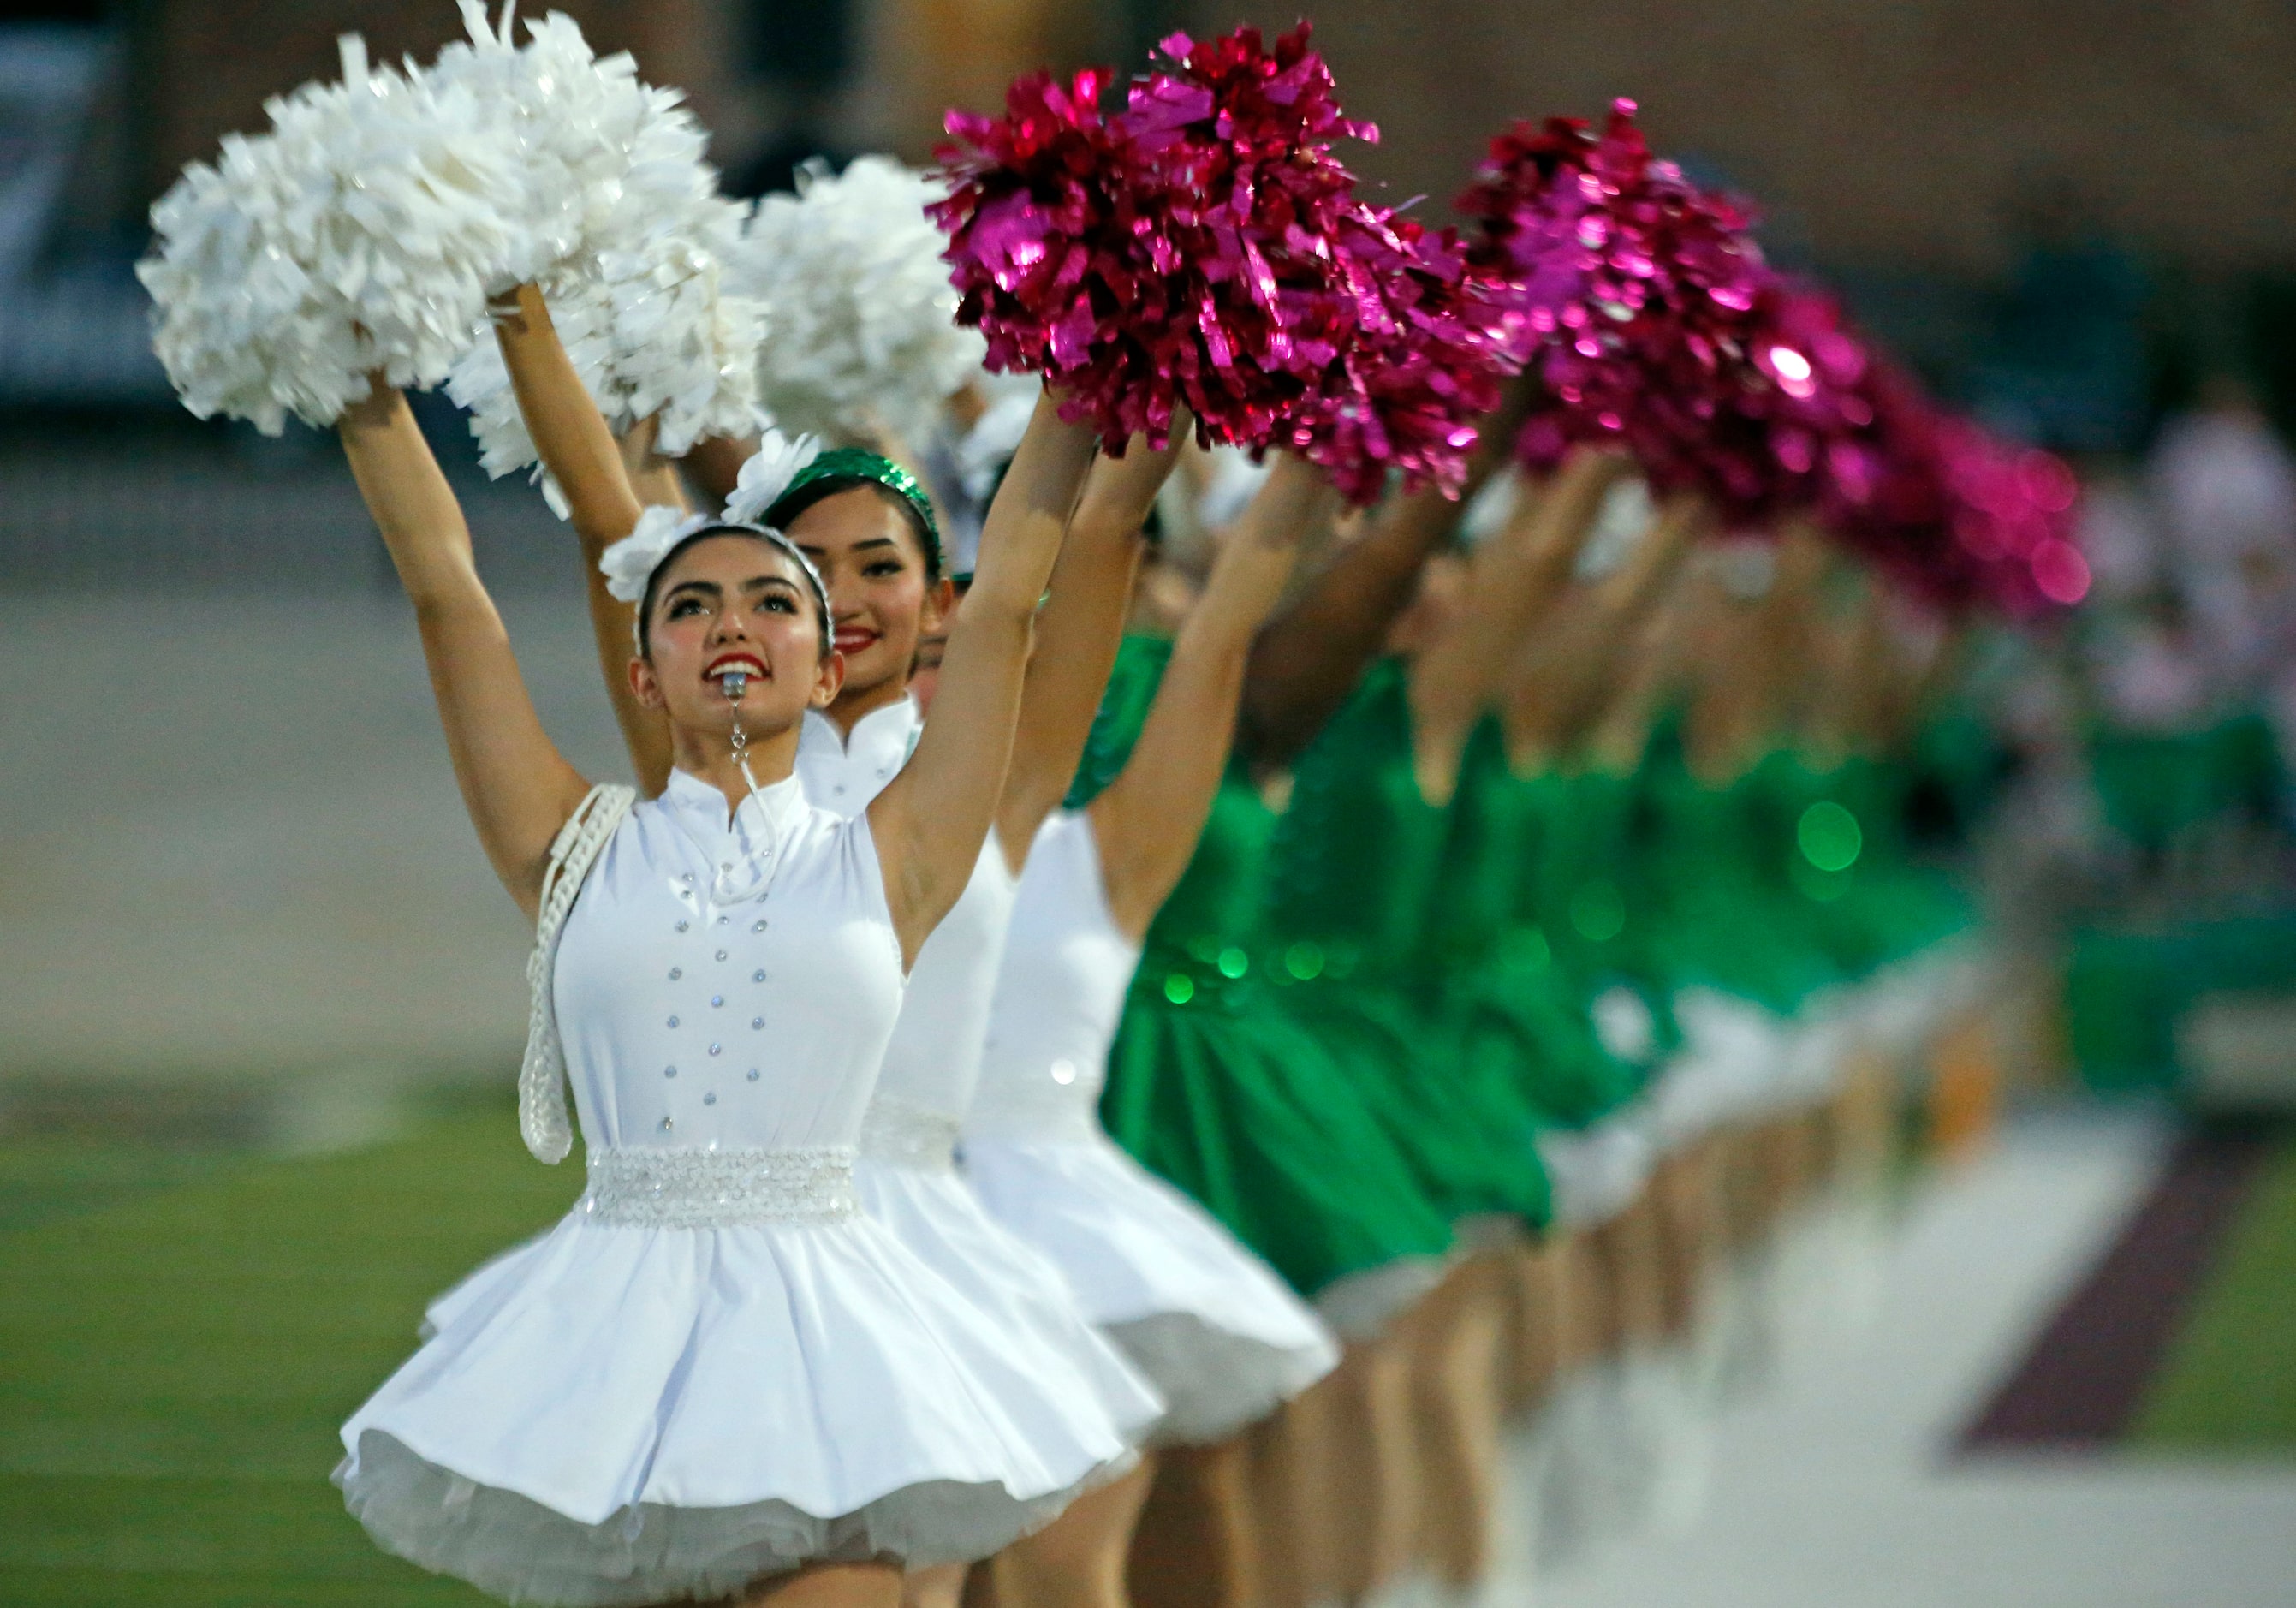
point(649, 1188)
point(909, 1134)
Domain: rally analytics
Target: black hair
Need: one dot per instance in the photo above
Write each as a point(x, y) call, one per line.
point(796, 501)
point(772, 538)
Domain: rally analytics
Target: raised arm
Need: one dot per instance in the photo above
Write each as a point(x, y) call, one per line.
point(1076, 636)
point(1309, 658)
point(1147, 821)
point(713, 466)
point(653, 478)
point(588, 462)
point(1561, 679)
point(1512, 580)
point(932, 819)
point(517, 786)
point(1620, 717)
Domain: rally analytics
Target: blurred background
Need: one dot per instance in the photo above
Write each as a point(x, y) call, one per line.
point(256, 981)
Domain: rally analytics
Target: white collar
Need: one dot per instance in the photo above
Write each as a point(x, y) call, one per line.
point(742, 849)
point(770, 813)
point(890, 728)
point(864, 759)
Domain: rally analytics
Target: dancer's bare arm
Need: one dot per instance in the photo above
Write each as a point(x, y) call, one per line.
point(931, 819)
point(582, 455)
point(518, 787)
point(1558, 685)
point(1076, 636)
point(1512, 580)
point(1147, 821)
point(714, 465)
point(1308, 658)
point(653, 478)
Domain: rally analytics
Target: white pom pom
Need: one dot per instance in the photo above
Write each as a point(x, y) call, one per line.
point(629, 563)
point(361, 234)
point(628, 240)
point(767, 473)
point(864, 336)
point(573, 117)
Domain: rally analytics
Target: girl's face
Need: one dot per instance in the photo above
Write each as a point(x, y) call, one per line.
point(881, 603)
point(733, 602)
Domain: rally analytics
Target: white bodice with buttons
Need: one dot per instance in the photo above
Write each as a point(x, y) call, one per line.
point(932, 1062)
point(1059, 996)
point(728, 985)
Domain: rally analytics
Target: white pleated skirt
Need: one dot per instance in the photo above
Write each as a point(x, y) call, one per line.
point(617, 1414)
point(1221, 1337)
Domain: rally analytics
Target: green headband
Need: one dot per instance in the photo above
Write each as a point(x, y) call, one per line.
point(856, 463)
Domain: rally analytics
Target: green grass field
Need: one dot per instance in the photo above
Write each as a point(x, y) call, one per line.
point(181, 1334)
point(2228, 1383)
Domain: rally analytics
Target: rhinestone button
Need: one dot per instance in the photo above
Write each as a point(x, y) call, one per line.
point(673, 1021)
point(682, 926)
point(717, 999)
point(721, 954)
point(708, 1099)
point(670, 1071)
point(759, 975)
point(676, 972)
point(715, 1048)
point(757, 927)
point(667, 1125)
point(753, 1074)
point(757, 1022)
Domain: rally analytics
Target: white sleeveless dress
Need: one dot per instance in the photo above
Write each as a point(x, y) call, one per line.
point(1201, 1314)
point(715, 1368)
point(906, 1175)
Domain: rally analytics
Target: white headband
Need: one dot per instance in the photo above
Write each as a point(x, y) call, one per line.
point(630, 564)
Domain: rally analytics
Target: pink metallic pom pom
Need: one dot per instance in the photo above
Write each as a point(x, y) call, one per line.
point(1796, 389)
point(1424, 365)
point(1952, 513)
point(1627, 291)
point(1180, 251)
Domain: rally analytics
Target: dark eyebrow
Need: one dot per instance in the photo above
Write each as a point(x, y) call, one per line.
point(874, 541)
point(758, 583)
point(710, 587)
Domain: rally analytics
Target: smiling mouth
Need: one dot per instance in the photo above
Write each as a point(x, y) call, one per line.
point(851, 639)
point(735, 664)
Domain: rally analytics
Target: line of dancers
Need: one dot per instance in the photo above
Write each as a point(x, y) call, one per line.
point(1155, 1027)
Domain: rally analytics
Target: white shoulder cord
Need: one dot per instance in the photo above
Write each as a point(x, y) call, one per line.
point(542, 1118)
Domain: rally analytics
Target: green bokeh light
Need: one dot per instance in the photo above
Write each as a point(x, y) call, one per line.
point(1597, 911)
point(1179, 987)
point(1829, 836)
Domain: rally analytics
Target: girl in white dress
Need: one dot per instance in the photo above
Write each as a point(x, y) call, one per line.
point(1215, 1328)
point(863, 521)
point(717, 1376)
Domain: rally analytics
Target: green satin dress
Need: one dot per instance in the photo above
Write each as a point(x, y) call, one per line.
point(1577, 891)
point(1840, 830)
point(1354, 856)
point(1715, 879)
point(1214, 1085)
point(1520, 1018)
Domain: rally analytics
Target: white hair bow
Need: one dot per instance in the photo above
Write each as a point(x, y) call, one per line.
point(767, 474)
point(629, 563)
